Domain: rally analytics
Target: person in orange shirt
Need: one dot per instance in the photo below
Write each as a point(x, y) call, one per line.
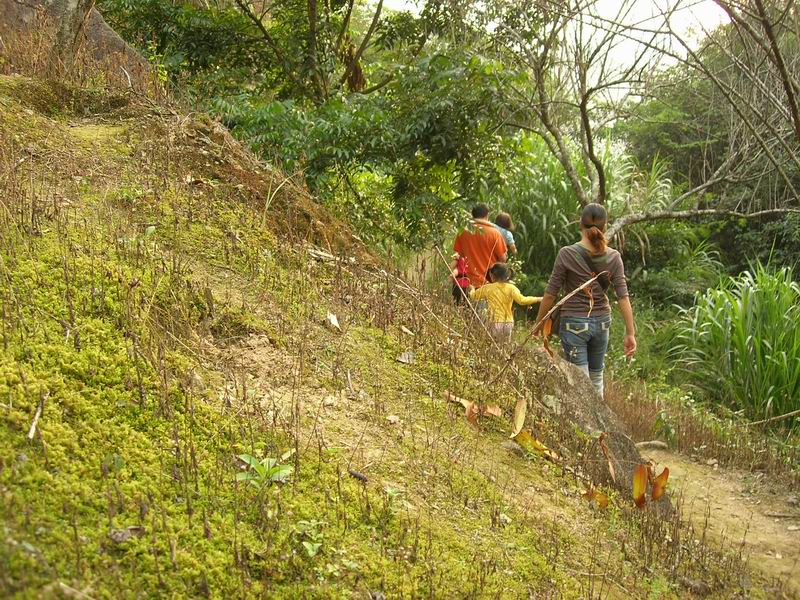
point(482, 245)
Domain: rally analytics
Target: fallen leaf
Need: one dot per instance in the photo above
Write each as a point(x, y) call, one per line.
point(332, 321)
point(592, 494)
point(472, 411)
point(520, 409)
point(406, 330)
point(534, 446)
point(407, 358)
point(607, 453)
point(640, 485)
point(492, 410)
point(660, 484)
point(453, 398)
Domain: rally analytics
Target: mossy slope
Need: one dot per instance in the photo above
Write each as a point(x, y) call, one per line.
point(158, 303)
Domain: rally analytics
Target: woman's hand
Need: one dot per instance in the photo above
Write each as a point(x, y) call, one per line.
point(629, 345)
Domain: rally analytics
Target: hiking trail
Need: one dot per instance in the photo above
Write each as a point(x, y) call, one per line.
point(740, 510)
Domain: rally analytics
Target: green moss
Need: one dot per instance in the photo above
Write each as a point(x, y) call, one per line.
point(125, 314)
point(30, 93)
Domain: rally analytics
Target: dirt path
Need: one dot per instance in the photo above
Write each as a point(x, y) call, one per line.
point(769, 524)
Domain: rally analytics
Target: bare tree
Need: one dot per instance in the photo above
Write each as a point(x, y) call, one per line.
point(576, 85)
point(71, 16)
point(585, 67)
point(752, 66)
point(331, 61)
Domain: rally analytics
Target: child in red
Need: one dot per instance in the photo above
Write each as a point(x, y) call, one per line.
point(460, 279)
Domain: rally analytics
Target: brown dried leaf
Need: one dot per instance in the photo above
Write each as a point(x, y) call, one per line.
point(640, 485)
point(471, 412)
point(492, 410)
point(607, 453)
point(660, 484)
point(520, 410)
point(450, 397)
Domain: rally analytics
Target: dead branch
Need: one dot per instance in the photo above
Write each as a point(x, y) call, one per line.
point(662, 215)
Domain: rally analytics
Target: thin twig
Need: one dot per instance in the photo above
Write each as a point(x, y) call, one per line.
point(39, 409)
point(773, 419)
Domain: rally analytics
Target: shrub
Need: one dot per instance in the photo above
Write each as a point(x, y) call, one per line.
point(740, 342)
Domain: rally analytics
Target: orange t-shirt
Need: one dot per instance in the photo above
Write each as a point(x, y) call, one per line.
point(482, 245)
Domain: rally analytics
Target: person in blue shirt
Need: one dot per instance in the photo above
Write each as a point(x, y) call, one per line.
point(504, 224)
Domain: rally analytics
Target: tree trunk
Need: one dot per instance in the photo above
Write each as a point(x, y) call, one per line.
point(71, 17)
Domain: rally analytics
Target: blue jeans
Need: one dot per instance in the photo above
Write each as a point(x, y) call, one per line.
point(585, 341)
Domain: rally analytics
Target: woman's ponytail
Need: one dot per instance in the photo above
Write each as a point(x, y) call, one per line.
point(593, 222)
point(597, 237)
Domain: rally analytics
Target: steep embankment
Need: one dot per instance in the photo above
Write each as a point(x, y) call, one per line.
point(163, 315)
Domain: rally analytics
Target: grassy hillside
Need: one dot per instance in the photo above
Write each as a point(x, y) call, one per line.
point(164, 313)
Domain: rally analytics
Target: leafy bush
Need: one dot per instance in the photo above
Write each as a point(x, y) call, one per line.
point(740, 343)
point(675, 263)
point(536, 192)
point(776, 241)
point(190, 40)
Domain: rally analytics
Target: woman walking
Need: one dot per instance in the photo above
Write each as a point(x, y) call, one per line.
point(586, 316)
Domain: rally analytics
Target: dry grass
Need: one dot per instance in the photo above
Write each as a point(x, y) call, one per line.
point(696, 431)
point(25, 50)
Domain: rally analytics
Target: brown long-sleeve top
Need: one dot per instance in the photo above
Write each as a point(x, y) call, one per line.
point(570, 271)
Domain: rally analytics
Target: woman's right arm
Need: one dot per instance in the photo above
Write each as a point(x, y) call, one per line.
point(629, 343)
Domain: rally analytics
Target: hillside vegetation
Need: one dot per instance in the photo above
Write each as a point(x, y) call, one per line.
point(178, 419)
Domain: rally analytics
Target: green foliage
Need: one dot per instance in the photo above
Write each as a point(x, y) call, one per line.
point(426, 137)
point(776, 242)
point(535, 191)
point(670, 262)
point(532, 185)
point(205, 44)
point(677, 128)
point(688, 120)
point(740, 343)
point(263, 472)
point(655, 334)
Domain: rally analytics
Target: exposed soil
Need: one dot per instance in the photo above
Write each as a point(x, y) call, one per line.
point(741, 512)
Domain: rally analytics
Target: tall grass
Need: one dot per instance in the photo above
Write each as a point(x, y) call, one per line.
point(542, 204)
point(536, 191)
point(740, 342)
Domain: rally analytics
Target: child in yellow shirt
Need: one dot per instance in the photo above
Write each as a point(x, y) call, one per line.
point(501, 295)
